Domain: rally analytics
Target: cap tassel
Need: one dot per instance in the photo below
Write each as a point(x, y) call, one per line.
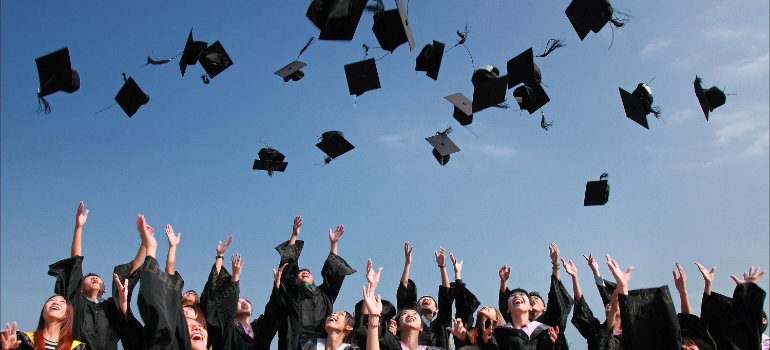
point(153, 62)
point(657, 112)
point(603, 176)
point(618, 22)
point(502, 105)
point(463, 37)
point(42, 104)
point(112, 105)
point(552, 45)
point(205, 78)
point(312, 38)
point(377, 7)
point(544, 123)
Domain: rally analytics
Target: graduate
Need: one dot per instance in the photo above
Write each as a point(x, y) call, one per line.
point(307, 305)
point(361, 313)
point(434, 330)
point(54, 330)
point(96, 321)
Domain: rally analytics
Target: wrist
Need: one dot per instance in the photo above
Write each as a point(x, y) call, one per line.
point(441, 266)
point(220, 256)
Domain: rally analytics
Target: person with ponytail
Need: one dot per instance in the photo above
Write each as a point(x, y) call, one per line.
point(54, 330)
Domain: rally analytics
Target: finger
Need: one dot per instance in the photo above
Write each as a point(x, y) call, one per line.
point(628, 270)
point(85, 215)
point(571, 264)
point(586, 258)
point(735, 279)
point(760, 274)
point(673, 272)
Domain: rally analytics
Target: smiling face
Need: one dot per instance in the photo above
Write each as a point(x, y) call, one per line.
point(409, 319)
point(519, 303)
point(244, 308)
point(427, 304)
point(55, 309)
point(537, 304)
point(304, 276)
point(198, 335)
point(339, 321)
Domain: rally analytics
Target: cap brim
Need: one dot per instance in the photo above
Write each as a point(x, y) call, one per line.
point(597, 193)
point(521, 69)
point(290, 68)
point(55, 73)
point(489, 93)
point(269, 165)
point(461, 102)
point(704, 102)
point(335, 146)
point(405, 21)
point(634, 108)
point(443, 144)
point(215, 60)
point(576, 13)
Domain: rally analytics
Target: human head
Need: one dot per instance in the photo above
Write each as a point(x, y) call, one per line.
point(56, 310)
point(340, 322)
point(304, 276)
point(538, 305)
point(427, 306)
point(198, 334)
point(244, 308)
point(518, 302)
point(695, 344)
point(92, 285)
point(409, 319)
point(190, 297)
point(488, 313)
point(195, 313)
point(764, 321)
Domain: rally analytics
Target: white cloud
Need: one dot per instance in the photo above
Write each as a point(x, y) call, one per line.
point(758, 66)
point(682, 116)
point(724, 33)
point(760, 145)
point(735, 130)
point(403, 140)
point(494, 151)
point(655, 46)
point(685, 62)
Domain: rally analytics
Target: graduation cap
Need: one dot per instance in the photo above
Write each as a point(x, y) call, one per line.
point(56, 74)
point(695, 330)
point(362, 76)
point(442, 146)
point(429, 59)
point(522, 69)
point(597, 192)
point(530, 98)
point(131, 97)
point(193, 51)
point(333, 143)
point(292, 71)
point(591, 16)
point(639, 104)
point(337, 19)
point(215, 60)
point(463, 110)
point(488, 89)
point(270, 160)
point(708, 99)
point(392, 28)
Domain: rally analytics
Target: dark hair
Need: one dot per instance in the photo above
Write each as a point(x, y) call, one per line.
point(197, 297)
point(102, 289)
point(516, 290)
point(702, 345)
point(535, 294)
point(300, 270)
point(65, 332)
point(349, 322)
point(198, 315)
point(401, 312)
point(247, 300)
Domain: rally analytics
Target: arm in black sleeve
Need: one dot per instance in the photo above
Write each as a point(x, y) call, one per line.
point(406, 297)
point(745, 331)
point(334, 271)
point(466, 303)
point(585, 322)
point(443, 317)
point(268, 322)
point(219, 306)
point(165, 327)
point(290, 253)
point(502, 304)
point(605, 291)
point(214, 283)
point(69, 279)
point(130, 330)
point(715, 311)
point(558, 305)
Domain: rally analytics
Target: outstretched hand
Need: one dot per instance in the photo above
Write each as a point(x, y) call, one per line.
point(407, 253)
point(752, 277)
point(80, 220)
point(122, 293)
point(553, 334)
point(222, 247)
point(680, 282)
point(372, 277)
point(553, 252)
point(146, 232)
point(173, 240)
point(487, 333)
point(458, 265)
point(570, 268)
point(708, 276)
point(592, 264)
point(621, 277)
point(440, 257)
point(505, 273)
point(237, 263)
point(458, 329)
point(8, 338)
point(277, 275)
point(334, 237)
point(297, 224)
point(374, 305)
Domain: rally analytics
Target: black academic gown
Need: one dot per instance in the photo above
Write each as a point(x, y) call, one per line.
point(160, 306)
point(466, 305)
point(219, 302)
point(556, 311)
point(360, 329)
point(735, 323)
point(595, 333)
point(99, 325)
point(649, 320)
point(436, 334)
point(515, 339)
point(306, 310)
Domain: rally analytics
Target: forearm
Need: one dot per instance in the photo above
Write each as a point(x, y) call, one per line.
point(444, 276)
point(555, 271)
point(405, 275)
point(171, 261)
point(457, 275)
point(685, 302)
point(292, 240)
point(138, 259)
point(218, 263)
point(333, 249)
point(503, 285)
point(576, 288)
point(707, 288)
point(372, 334)
point(76, 242)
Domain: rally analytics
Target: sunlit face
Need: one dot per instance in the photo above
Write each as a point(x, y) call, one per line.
point(337, 322)
point(189, 298)
point(519, 302)
point(487, 313)
point(92, 284)
point(427, 303)
point(305, 276)
point(244, 308)
point(189, 312)
point(537, 304)
point(410, 319)
point(198, 335)
point(55, 309)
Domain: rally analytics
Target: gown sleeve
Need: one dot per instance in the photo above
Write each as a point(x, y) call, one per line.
point(406, 297)
point(219, 301)
point(502, 304)
point(745, 330)
point(130, 330)
point(649, 320)
point(334, 271)
point(268, 322)
point(715, 310)
point(69, 279)
point(583, 319)
point(466, 303)
point(443, 317)
point(165, 327)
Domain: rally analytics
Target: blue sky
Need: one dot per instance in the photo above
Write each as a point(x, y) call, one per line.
point(686, 190)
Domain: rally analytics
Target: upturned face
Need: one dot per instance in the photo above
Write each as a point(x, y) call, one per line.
point(92, 284)
point(487, 313)
point(537, 304)
point(426, 303)
point(198, 335)
point(55, 309)
point(305, 276)
point(519, 302)
point(189, 298)
point(189, 312)
point(244, 308)
point(410, 319)
point(337, 322)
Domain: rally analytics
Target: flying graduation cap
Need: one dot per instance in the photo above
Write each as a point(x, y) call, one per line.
point(463, 110)
point(592, 15)
point(131, 97)
point(442, 146)
point(709, 99)
point(488, 88)
point(523, 70)
point(429, 59)
point(292, 71)
point(214, 59)
point(337, 19)
point(638, 104)
point(270, 160)
point(333, 143)
point(56, 74)
point(193, 51)
point(362, 76)
point(392, 29)
point(597, 192)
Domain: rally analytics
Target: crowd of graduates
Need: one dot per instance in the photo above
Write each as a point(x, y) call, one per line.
point(301, 313)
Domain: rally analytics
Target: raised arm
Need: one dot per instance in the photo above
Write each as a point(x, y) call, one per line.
point(553, 251)
point(621, 277)
point(458, 266)
point(122, 294)
point(680, 283)
point(221, 248)
point(295, 230)
point(505, 273)
point(334, 237)
point(373, 278)
point(237, 263)
point(80, 220)
point(502, 295)
point(441, 261)
point(173, 242)
point(407, 263)
point(147, 234)
point(708, 277)
point(571, 270)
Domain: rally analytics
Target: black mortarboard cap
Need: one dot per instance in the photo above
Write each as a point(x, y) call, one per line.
point(337, 19)
point(215, 60)
point(696, 330)
point(392, 28)
point(588, 15)
point(463, 110)
point(634, 108)
point(193, 50)
point(530, 98)
point(291, 71)
point(429, 59)
point(56, 73)
point(522, 69)
point(441, 159)
point(442, 143)
point(131, 97)
point(271, 160)
point(597, 192)
point(708, 99)
point(362, 76)
point(333, 143)
point(488, 89)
